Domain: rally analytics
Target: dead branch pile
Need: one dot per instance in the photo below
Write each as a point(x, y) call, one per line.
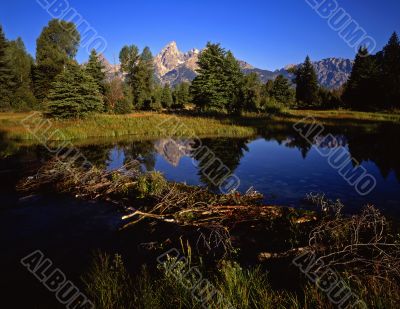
point(90, 183)
point(360, 244)
point(149, 195)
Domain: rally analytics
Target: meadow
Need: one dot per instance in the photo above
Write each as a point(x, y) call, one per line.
point(23, 126)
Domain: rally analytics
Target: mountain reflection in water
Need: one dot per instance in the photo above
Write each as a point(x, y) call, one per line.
point(278, 162)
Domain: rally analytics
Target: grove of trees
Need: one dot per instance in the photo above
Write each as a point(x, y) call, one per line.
point(55, 83)
point(221, 85)
point(374, 83)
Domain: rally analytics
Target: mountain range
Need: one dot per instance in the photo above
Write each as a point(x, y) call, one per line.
point(173, 66)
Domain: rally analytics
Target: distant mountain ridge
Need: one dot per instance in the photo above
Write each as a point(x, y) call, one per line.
point(173, 67)
point(332, 72)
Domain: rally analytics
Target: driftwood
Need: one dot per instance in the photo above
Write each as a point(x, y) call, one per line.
point(361, 246)
point(212, 215)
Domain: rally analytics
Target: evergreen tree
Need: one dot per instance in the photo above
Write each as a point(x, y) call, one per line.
point(233, 81)
point(330, 99)
point(129, 58)
point(74, 94)
point(281, 91)
point(6, 75)
point(391, 71)
point(249, 97)
point(361, 90)
point(156, 97)
point(166, 97)
point(143, 80)
point(306, 84)
point(56, 46)
point(21, 65)
point(181, 95)
point(139, 70)
point(95, 68)
point(217, 82)
point(268, 86)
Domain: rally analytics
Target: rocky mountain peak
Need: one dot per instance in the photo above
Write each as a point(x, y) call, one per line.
point(170, 48)
point(173, 67)
point(193, 52)
point(168, 59)
point(245, 65)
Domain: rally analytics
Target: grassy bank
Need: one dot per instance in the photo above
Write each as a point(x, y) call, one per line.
point(326, 115)
point(141, 124)
point(154, 125)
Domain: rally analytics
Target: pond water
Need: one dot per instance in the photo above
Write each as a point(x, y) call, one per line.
point(358, 165)
point(281, 171)
point(278, 162)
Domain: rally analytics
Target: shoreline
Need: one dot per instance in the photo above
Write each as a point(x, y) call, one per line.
point(147, 125)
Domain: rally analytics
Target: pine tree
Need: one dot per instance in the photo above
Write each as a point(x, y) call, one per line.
point(155, 102)
point(281, 91)
point(6, 75)
point(217, 82)
point(21, 65)
point(181, 95)
point(330, 99)
point(56, 46)
point(166, 97)
point(129, 58)
point(95, 68)
point(268, 86)
point(306, 84)
point(208, 86)
point(74, 94)
point(233, 81)
point(144, 79)
point(391, 71)
point(139, 70)
point(361, 90)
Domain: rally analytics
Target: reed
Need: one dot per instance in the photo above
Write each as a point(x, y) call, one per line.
point(144, 125)
point(160, 125)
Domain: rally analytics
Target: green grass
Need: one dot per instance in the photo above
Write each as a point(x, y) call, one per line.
point(150, 125)
point(110, 286)
point(326, 115)
point(146, 125)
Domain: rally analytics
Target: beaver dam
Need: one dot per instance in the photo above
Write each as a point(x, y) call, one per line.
point(219, 232)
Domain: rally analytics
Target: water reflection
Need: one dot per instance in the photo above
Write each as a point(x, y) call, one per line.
point(278, 162)
point(228, 151)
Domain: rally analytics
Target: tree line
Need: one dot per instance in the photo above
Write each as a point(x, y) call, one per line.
point(55, 83)
point(374, 84)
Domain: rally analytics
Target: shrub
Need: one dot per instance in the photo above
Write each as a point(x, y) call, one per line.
point(151, 184)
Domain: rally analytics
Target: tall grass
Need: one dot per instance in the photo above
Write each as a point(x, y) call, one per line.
point(156, 125)
point(347, 115)
point(102, 125)
point(109, 285)
point(237, 288)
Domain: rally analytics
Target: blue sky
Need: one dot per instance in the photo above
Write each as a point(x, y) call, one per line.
point(268, 34)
